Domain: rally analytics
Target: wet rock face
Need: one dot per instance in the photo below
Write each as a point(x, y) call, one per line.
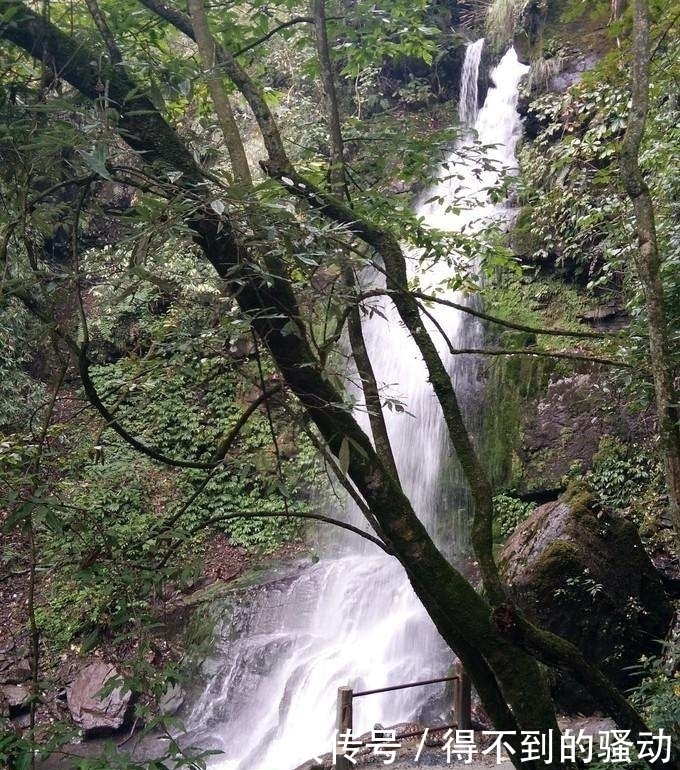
point(585, 576)
point(90, 709)
point(528, 37)
point(566, 426)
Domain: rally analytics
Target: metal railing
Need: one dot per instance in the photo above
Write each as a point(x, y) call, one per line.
point(461, 707)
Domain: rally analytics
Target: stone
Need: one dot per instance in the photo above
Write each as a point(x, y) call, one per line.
point(608, 317)
point(566, 426)
point(14, 668)
point(584, 575)
point(92, 711)
point(528, 34)
point(172, 700)
point(16, 696)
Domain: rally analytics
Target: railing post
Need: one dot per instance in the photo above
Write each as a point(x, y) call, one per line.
point(343, 723)
point(462, 698)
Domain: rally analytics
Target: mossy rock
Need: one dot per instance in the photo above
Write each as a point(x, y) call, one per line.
point(566, 425)
point(583, 574)
point(528, 35)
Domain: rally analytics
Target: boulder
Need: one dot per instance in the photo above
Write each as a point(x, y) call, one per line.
point(584, 575)
point(91, 709)
point(14, 698)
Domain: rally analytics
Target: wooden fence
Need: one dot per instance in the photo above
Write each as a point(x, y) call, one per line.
point(461, 706)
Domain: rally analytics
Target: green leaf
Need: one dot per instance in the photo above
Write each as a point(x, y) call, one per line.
point(96, 160)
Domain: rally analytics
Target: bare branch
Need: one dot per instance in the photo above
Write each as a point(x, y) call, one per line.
point(281, 26)
point(101, 24)
point(304, 515)
point(486, 316)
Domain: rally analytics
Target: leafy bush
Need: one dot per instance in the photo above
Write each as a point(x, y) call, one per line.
point(20, 394)
point(624, 474)
point(508, 513)
point(570, 171)
point(658, 697)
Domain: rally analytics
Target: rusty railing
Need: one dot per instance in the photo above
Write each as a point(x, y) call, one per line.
point(461, 707)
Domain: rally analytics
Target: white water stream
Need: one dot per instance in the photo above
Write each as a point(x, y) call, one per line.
point(352, 618)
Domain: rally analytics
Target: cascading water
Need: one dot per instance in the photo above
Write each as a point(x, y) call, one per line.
point(468, 101)
point(352, 618)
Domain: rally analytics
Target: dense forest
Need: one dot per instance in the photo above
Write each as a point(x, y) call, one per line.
point(191, 196)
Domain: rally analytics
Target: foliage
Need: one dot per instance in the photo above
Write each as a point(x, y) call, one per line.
point(625, 474)
point(160, 327)
point(577, 215)
point(508, 512)
point(15, 751)
point(578, 220)
point(371, 34)
point(658, 697)
point(20, 394)
point(569, 173)
point(630, 478)
point(580, 584)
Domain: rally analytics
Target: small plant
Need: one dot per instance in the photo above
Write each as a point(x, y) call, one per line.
point(508, 513)
point(623, 474)
point(658, 697)
point(579, 584)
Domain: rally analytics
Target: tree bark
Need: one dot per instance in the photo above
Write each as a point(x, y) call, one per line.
point(648, 261)
point(225, 115)
point(337, 161)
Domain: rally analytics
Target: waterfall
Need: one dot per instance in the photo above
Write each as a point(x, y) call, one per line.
point(468, 102)
point(352, 618)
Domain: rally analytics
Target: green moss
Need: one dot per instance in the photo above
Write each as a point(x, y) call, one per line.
point(512, 381)
point(556, 566)
point(580, 498)
point(560, 553)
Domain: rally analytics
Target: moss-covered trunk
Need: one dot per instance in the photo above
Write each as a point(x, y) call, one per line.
point(648, 261)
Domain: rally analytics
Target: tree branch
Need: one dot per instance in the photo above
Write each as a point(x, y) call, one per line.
point(561, 654)
point(648, 261)
point(281, 26)
point(101, 24)
point(486, 316)
point(111, 422)
point(282, 515)
point(139, 122)
point(252, 94)
point(206, 49)
point(386, 244)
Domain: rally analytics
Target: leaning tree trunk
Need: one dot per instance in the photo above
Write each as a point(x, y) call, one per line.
point(648, 260)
